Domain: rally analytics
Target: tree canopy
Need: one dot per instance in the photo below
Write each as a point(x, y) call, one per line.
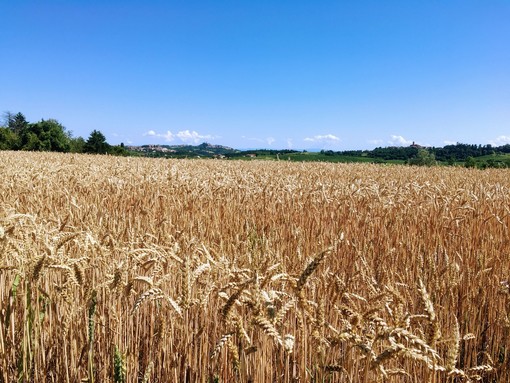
point(45, 135)
point(96, 143)
point(16, 133)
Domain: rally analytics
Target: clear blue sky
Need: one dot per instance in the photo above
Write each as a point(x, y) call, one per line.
point(275, 74)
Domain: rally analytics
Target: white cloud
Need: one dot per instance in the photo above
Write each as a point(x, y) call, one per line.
point(191, 136)
point(399, 141)
point(375, 142)
point(500, 140)
point(168, 136)
point(270, 140)
point(449, 142)
point(289, 143)
point(326, 138)
point(186, 136)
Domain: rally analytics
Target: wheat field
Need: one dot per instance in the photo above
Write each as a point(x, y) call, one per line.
point(146, 270)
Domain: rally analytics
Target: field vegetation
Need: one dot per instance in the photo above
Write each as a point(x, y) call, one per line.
point(156, 270)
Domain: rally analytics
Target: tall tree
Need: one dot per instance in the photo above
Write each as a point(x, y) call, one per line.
point(96, 143)
point(17, 123)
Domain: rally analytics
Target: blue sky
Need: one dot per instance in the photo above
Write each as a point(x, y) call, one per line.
point(275, 74)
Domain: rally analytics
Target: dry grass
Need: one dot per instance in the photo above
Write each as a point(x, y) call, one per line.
point(139, 270)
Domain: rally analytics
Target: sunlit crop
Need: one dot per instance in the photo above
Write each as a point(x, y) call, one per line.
point(139, 270)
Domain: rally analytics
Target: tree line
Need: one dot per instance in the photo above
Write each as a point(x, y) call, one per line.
point(16, 133)
point(449, 154)
point(456, 152)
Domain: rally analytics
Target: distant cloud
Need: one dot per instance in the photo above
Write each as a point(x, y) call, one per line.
point(194, 137)
point(168, 136)
point(186, 136)
point(290, 144)
point(448, 142)
point(399, 141)
point(501, 140)
point(327, 138)
point(322, 138)
point(266, 141)
point(375, 142)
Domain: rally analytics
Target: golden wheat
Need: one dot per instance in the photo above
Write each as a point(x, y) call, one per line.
point(131, 269)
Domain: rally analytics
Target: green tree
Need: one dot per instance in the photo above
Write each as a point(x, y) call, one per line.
point(76, 145)
point(55, 134)
point(96, 143)
point(119, 150)
point(17, 123)
point(423, 158)
point(470, 162)
point(47, 135)
point(31, 142)
point(8, 139)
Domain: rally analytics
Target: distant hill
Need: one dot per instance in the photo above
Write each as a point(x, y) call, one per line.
point(179, 151)
point(481, 156)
